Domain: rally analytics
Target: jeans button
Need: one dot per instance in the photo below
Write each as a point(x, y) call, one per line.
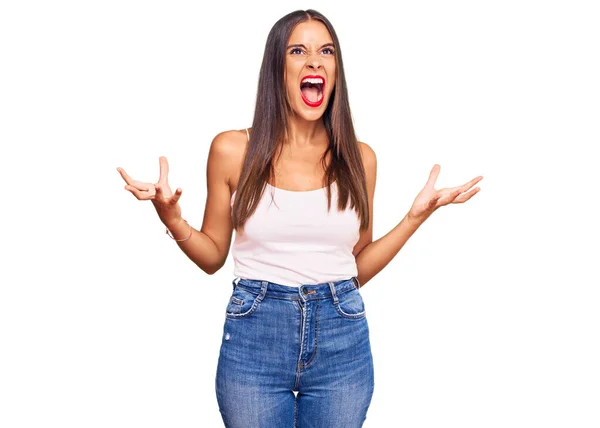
point(305, 291)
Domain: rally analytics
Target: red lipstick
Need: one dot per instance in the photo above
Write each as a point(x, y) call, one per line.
point(322, 90)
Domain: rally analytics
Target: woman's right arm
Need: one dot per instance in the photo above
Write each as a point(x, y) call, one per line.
point(208, 247)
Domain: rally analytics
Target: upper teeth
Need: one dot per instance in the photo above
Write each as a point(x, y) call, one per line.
point(313, 80)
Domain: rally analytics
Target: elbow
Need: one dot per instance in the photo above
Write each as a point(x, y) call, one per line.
point(212, 269)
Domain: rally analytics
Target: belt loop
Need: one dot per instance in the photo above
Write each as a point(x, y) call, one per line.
point(357, 282)
point(233, 282)
point(333, 293)
point(263, 290)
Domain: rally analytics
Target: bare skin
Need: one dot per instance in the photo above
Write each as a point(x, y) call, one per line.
point(298, 168)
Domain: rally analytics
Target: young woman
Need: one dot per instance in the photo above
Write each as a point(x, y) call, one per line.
point(298, 189)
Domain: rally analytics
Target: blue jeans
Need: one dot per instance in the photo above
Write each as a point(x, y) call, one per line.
point(277, 339)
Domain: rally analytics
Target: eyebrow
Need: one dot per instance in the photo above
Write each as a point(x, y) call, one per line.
point(302, 46)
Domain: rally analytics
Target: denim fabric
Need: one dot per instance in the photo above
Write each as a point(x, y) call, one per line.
point(312, 339)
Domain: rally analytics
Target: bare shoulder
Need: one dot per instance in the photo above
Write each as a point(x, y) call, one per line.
point(229, 143)
point(227, 152)
point(369, 157)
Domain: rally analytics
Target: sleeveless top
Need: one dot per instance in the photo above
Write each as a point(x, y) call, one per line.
point(291, 239)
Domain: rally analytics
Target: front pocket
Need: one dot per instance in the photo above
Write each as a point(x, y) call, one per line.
point(241, 303)
point(350, 305)
point(235, 305)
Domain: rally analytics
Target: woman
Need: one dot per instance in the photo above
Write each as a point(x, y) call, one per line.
point(298, 189)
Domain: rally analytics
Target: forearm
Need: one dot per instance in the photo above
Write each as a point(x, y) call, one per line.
point(199, 248)
point(375, 256)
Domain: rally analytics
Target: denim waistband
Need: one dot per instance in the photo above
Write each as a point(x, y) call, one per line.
point(303, 292)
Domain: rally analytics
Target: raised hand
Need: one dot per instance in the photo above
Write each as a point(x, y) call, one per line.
point(164, 201)
point(428, 200)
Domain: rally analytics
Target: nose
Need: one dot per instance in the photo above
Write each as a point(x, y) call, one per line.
point(314, 62)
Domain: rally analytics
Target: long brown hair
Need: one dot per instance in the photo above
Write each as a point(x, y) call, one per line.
point(270, 124)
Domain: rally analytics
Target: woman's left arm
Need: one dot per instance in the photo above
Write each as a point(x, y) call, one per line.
point(372, 256)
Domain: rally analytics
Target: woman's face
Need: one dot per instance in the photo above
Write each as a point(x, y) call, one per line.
point(310, 69)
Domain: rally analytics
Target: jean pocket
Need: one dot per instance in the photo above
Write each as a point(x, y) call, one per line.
point(350, 305)
point(241, 303)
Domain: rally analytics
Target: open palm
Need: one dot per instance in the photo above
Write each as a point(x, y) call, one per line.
point(429, 199)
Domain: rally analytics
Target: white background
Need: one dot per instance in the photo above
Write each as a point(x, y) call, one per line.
point(488, 317)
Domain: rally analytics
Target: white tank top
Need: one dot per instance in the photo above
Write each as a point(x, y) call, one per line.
point(291, 239)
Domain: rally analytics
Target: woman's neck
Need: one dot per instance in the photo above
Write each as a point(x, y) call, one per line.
point(304, 134)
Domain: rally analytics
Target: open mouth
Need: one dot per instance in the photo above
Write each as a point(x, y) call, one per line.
point(312, 90)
